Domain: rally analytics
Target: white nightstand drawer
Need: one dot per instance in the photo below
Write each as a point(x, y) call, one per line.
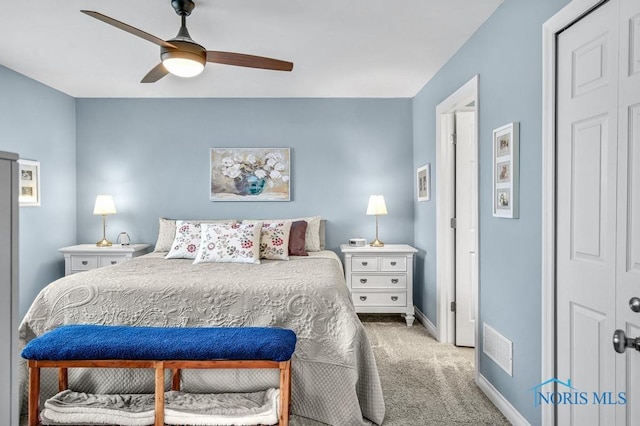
point(394, 264)
point(379, 299)
point(112, 260)
point(84, 257)
point(364, 264)
point(379, 281)
point(84, 263)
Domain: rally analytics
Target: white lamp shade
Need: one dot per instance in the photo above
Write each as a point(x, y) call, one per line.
point(376, 205)
point(104, 205)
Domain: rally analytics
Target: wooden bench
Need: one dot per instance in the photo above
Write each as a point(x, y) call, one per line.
point(160, 348)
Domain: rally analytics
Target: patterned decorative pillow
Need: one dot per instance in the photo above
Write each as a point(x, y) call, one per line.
point(167, 231)
point(274, 240)
point(186, 242)
point(237, 243)
point(312, 234)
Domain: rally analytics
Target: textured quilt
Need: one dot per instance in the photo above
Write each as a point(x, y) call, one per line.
point(334, 379)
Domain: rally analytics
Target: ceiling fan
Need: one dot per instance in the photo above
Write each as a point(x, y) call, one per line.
point(184, 57)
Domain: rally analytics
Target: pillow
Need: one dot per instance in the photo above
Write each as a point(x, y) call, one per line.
point(167, 231)
point(185, 244)
point(323, 225)
point(312, 234)
point(237, 243)
point(274, 240)
point(297, 239)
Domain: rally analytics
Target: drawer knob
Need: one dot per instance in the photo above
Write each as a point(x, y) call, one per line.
point(365, 263)
point(363, 280)
point(394, 298)
point(84, 262)
point(113, 262)
point(394, 281)
point(363, 298)
point(393, 263)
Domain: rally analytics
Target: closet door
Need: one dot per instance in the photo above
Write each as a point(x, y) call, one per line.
point(598, 216)
point(8, 288)
point(628, 241)
point(587, 127)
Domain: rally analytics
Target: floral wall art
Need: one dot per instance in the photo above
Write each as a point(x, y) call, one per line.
point(250, 174)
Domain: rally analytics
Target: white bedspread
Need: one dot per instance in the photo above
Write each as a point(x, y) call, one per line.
point(334, 378)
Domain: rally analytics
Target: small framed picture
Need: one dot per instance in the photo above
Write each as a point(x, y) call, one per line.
point(506, 171)
point(423, 184)
point(28, 183)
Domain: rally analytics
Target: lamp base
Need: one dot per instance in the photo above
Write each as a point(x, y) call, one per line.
point(104, 243)
point(377, 243)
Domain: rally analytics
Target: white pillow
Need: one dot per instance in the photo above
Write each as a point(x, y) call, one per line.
point(167, 231)
point(186, 242)
point(312, 235)
point(237, 243)
point(274, 240)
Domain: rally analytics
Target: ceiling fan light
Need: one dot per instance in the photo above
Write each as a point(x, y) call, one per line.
point(183, 67)
point(183, 64)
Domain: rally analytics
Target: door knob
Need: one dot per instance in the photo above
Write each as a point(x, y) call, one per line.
point(634, 304)
point(621, 342)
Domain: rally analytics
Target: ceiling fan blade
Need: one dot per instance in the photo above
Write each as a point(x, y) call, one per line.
point(128, 28)
point(155, 74)
point(242, 60)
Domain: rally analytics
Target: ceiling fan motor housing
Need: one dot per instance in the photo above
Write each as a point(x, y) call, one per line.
point(183, 7)
point(186, 50)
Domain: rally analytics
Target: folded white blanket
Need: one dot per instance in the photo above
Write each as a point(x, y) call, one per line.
point(241, 409)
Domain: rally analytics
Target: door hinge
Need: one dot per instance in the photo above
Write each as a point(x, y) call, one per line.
point(453, 306)
point(454, 222)
point(454, 138)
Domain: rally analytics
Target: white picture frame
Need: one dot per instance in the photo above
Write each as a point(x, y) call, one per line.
point(423, 182)
point(506, 148)
point(28, 183)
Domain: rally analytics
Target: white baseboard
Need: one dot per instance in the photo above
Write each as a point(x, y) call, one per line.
point(427, 324)
point(501, 403)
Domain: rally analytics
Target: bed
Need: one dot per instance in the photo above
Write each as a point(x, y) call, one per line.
point(335, 378)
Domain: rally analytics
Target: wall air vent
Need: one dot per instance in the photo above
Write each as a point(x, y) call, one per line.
point(498, 348)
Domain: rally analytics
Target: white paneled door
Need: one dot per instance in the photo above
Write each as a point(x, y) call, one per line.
point(466, 224)
point(598, 215)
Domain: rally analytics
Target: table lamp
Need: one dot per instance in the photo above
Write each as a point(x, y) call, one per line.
point(104, 206)
point(376, 207)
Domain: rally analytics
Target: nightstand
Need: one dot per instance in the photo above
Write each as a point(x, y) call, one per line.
point(85, 257)
point(380, 279)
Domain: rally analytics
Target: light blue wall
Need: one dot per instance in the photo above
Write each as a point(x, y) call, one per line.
point(507, 54)
point(153, 157)
point(38, 123)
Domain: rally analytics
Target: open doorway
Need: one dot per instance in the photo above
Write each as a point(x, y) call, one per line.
point(457, 216)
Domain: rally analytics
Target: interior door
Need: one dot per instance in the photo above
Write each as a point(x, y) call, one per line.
point(598, 244)
point(466, 281)
point(628, 241)
point(586, 216)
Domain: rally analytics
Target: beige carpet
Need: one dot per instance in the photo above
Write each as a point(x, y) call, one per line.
point(425, 382)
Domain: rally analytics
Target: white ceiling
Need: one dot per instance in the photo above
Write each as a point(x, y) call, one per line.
point(340, 48)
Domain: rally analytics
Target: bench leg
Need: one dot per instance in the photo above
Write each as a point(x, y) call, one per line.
point(34, 395)
point(63, 379)
point(175, 380)
point(159, 397)
point(285, 392)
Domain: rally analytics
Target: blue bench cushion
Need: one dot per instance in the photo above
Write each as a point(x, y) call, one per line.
point(91, 342)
